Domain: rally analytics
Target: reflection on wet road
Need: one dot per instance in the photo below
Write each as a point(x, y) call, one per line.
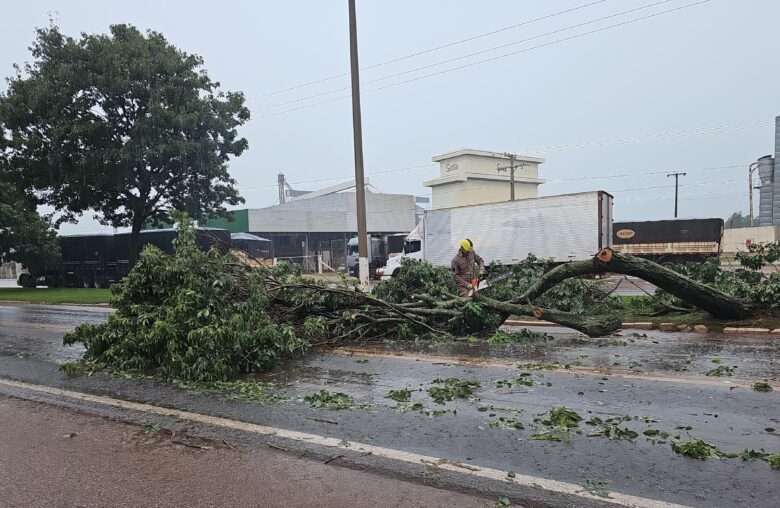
point(37, 330)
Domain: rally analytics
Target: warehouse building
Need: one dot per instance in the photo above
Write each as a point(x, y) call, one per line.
point(322, 222)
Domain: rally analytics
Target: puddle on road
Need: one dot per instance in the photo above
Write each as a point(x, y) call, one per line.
point(303, 372)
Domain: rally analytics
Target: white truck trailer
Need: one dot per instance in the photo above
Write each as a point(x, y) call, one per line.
point(561, 228)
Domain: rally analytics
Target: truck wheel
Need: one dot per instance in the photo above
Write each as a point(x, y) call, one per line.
point(53, 281)
point(396, 272)
point(26, 280)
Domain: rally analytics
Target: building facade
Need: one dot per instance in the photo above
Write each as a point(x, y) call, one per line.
point(472, 177)
point(323, 224)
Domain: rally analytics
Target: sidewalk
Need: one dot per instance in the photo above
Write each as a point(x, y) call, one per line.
point(54, 457)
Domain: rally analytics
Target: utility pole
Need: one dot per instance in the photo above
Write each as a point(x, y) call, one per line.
point(511, 175)
point(676, 176)
point(357, 134)
point(280, 181)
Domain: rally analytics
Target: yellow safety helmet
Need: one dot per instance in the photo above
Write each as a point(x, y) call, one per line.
point(466, 245)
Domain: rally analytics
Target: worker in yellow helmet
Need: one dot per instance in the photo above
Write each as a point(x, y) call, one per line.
point(466, 267)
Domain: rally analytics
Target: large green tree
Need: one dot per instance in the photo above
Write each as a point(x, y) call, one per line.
point(123, 124)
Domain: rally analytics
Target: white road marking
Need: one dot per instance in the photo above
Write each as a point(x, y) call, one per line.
point(333, 442)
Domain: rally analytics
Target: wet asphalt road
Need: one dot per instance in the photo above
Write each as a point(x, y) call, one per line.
point(658, 383)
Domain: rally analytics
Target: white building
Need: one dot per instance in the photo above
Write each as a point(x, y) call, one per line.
point(470, 177)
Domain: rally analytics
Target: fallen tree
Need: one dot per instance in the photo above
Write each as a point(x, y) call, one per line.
point(207, 316)
point(696, 293)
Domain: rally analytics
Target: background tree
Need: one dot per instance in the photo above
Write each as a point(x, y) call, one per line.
point(25, 236)
point(124, 124)
point(737, 220)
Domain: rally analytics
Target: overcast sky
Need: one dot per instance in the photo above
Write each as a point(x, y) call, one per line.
point(693, 90)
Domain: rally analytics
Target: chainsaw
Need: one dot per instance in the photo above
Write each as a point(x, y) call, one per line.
point(478, 285)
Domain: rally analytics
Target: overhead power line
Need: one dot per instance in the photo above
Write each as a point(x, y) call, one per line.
point(669, 133)
point(435, 48)
point(550, 43)
point(480, 52)
point(498, 57)
point(549, 182)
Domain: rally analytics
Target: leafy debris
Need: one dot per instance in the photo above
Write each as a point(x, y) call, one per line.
point(701, 450)
point(562, 417)
point(452, 388)
point(78, 368)
point(246, 391)
point(401, 395)
point(507, 423)
point(409, 406)
point(597, 488)
point(523, 336)
point(615, 431)
point(551, 435)
point(508, 383)
point(762, 386)
point(721, 370)
point(503, 502)
point(754, 455)
point(329, 400)
point(560, 420)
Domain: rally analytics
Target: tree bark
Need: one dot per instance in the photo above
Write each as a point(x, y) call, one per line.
point(696, 293)
point(592, 326)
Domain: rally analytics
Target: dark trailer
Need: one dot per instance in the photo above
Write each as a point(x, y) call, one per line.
point(669, 240)
point(100, 260)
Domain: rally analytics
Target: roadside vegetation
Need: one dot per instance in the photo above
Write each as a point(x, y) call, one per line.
point(56, 295)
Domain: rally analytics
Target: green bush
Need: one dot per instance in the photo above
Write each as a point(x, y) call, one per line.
point(189, 317)
point(417, 277)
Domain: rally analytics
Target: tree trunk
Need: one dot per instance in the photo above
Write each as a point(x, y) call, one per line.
point(135, 244)
point(696, 293)
point(592, 326)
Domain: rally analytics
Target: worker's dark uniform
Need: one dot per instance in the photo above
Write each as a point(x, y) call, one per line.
point(465, 267)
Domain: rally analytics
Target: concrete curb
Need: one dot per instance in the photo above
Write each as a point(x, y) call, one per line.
point(664, 327)
point(736, 329)
point(528, 322)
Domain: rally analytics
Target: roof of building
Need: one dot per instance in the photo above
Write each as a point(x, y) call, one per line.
point(485, 153)
point(472, 175)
